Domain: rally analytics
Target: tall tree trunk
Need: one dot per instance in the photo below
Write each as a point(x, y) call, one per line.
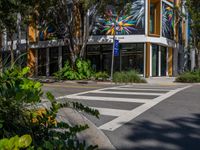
point(1, 60)
point(198, 59)
point(77, 35)
point(11, 49)
point(89, 26)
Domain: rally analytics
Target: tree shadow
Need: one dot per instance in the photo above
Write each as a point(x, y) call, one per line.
point(175, 134)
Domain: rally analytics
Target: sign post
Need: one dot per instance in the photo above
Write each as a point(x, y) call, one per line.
point(116, 48)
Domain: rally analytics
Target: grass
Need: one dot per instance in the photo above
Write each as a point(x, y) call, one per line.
point(189, 77)
point(131, 76)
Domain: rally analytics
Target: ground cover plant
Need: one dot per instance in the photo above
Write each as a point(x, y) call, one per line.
point(81, 70)
point(20, 115)
point(189, 77)
point(131, 76)
point(101, 76)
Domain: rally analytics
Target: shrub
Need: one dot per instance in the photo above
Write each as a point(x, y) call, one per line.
point(128, 77)
point(16, 143)
point(189, 77)
point(16, 90)
point(82, 70)
point(101, 75)
point(19, 99)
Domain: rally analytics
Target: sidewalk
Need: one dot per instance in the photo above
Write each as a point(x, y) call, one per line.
point(161, 80)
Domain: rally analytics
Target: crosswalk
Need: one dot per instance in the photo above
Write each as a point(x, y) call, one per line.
point(124, 103)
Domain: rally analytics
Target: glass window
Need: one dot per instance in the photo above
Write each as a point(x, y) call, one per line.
point(42, 62)
point(53, 56)
point(155, 61)
point(163, 61)
point(152, 18)
point(133, 59)
point(65, 55)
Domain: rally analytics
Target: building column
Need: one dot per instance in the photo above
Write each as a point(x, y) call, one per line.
point(145, 53)
point(60, 57)
point(150, 61)
point(159, 61)
point(47, 62)
point(170, 61)
point(36, 62)
point(147, 62)
point(31, 61)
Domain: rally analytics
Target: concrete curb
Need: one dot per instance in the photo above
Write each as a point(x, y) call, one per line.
point(92, 136)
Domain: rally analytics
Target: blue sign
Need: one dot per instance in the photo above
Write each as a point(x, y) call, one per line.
point(116, 48)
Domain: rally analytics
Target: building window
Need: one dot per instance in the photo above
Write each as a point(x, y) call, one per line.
point(65, 55)
point(154, 17)
point(42, 62)
point(131, 57)
point(163, 61)
point(53, 60)
point(155, 60)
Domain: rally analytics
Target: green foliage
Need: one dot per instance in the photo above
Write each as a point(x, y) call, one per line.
point(101, 75)
point(15, 91)
point(189, 77)
point(127, 77)
point(50, 134)
point(193, 7)
point(16, 142)
point(19, 115)
point(82, 70)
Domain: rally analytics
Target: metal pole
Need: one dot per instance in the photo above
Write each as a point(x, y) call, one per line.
point(113, 57)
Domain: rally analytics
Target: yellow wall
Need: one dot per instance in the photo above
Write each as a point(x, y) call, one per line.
point(170, 62)
point(31, 60)
point(147, 71)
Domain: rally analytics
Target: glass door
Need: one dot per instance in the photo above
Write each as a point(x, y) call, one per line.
point(42, 62)
point(155, 60)
point(163, 61)
point(53, 60)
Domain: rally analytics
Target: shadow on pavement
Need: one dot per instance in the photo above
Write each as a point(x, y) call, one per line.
point(174, 134)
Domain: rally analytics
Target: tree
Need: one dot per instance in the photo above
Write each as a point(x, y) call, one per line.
point(194, 13)
point(11, 11)
point(71, 19)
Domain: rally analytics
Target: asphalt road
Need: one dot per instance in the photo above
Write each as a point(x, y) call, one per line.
point(141, 117)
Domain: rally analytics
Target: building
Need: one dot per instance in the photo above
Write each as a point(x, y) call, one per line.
point(151, 37)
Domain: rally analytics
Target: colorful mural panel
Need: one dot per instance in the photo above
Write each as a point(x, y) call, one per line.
point(47, 31)
point(124, 24)
point(167, 21)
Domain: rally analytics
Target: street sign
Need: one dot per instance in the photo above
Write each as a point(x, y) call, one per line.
point(116, 48)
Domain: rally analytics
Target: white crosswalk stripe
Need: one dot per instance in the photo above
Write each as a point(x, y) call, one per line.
point(128, 93)
point(112, 99)
point(111, 112)
point(148, 97)
point(141, 89)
